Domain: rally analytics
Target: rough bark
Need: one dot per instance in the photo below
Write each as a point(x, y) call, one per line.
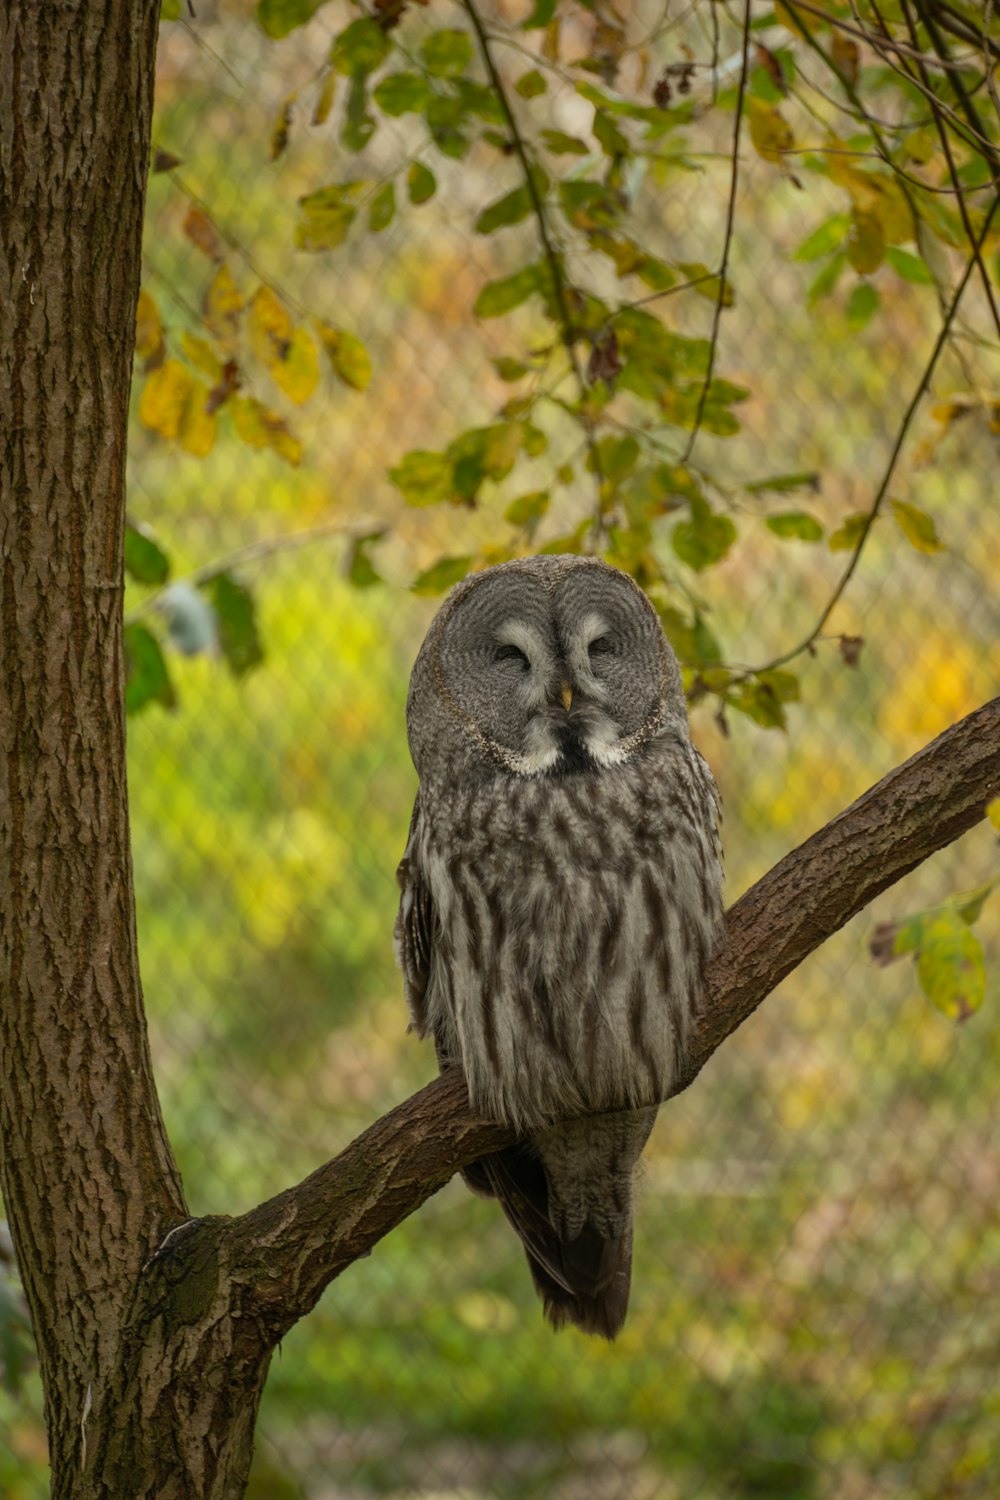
point(88, 1178)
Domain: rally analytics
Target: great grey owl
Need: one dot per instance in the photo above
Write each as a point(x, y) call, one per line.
point(560, 895)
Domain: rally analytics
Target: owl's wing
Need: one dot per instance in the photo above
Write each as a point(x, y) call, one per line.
point(414, 930)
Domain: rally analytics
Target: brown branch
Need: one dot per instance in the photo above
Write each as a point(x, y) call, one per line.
point(282, 1254)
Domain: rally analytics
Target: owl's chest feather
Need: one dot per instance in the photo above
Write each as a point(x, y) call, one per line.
point(574, 915)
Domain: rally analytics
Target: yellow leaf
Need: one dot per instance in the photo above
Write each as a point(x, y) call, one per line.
point(865, 243)
point(148, 328)
point(269, 327)
point(222, 307)
point(917, 526)
point(346, 353)
point(198, 424)
point(770, 131)
point(202, 355)
point(260, 428)
point(993, 813)
point(846, 54)
point(282, 125)
point(297, 373)
point(164, 398)
point(324, 101)
point(173, 403)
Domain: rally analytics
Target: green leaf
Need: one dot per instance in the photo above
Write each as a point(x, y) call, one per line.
point(446, 53)
point(970, 906)
point(146, 677)
point(784, 685)
point(445, 118)
point(830, 235)
point(609, 137)
point(759, 702)
point(358, 127)
point(656, 274)
point(512, 208)
point(561, 144)
point(347, 354)
point(909, 266)
point(827, 279)
point(499, 297)
point(528, 510)
point(421, 183)
point(617, 456)
point(541, 15)
point(795, 525)
point(360, 568)
point(849, 533)
point(145, 561)
point(590, 205)
point(279, 17)
point(509, 369)
point(705, 539)
point(951, 966)
point(327, 215)
point(360, 48)
point(708, 282)
point(402, 93)
point(862, 305)
point(383, 208)
point(530, 85)
point(238, 637)
point(485, 453)
point(803, 479)
point(424, 477)
point(993, 813)
point(917, 527)
point(441, 575)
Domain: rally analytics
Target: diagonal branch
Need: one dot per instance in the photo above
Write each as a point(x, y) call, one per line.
point(283, 1253)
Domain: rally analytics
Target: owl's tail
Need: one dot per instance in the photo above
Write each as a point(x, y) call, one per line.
point(584, 1280)
point(599, 1272)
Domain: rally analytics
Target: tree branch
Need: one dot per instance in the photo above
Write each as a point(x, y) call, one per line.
point(282, 1254)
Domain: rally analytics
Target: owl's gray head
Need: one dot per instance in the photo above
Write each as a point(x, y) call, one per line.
point(543, 666)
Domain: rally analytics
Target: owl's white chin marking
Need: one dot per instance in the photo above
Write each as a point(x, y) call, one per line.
point(604, 744)
point(593, 737)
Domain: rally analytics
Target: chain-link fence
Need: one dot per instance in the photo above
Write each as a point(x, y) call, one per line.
point(815, 1294)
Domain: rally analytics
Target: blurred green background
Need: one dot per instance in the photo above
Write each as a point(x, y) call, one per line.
point(817, 1270)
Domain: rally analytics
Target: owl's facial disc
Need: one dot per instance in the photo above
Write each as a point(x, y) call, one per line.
point(568, 727)
point(552, 675)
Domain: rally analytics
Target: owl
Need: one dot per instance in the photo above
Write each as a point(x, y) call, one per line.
point(561, 892)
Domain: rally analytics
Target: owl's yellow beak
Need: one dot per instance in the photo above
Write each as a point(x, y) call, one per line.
point(566, 694)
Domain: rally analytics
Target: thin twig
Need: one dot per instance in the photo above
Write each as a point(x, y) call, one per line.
point(862, 34)
point(958, 84)
point(965, 31)
point(720, 300)
point(538, 209)
point(953, 174)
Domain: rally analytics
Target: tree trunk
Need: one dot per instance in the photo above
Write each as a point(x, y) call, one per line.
point(88, 1178)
